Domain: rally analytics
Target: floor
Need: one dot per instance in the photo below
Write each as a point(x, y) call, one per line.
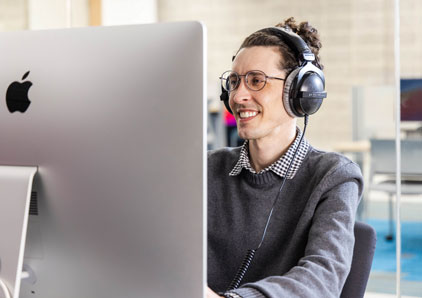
point(383, 284)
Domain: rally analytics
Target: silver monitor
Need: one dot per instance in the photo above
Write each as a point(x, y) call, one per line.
point(114, 121)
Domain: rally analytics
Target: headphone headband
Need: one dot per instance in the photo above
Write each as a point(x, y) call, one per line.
point(293, 41)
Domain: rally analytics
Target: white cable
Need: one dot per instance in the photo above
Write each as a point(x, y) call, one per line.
point(5, 289)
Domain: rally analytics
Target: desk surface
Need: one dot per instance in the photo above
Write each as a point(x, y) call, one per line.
point(353, 146)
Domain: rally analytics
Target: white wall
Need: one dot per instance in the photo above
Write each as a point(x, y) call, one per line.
point(49, 14)
point(121, 12)
point(13, 15)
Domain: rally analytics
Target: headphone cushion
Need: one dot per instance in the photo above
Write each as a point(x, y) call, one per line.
point(224, 97)
point(287, 100)
point(226, 104)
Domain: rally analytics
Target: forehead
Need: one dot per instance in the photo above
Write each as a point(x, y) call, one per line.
point(262, 58)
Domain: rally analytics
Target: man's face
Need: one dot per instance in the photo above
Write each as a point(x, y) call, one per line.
point(259, 114)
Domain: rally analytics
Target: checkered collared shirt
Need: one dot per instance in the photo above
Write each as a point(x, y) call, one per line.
point(280, 166)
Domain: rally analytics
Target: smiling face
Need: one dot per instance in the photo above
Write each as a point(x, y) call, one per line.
point(260, 114)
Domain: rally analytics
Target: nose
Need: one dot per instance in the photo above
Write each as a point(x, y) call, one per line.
point(241, 94)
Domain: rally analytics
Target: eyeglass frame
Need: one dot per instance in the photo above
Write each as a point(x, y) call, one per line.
point(246, 81)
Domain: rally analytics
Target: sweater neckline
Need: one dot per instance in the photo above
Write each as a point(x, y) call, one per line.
point(260, 179)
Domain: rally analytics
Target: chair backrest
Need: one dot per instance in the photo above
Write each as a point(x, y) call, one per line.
point(383, 157)
point(363, 253)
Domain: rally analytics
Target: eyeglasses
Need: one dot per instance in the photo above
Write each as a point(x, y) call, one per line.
point(255, 80)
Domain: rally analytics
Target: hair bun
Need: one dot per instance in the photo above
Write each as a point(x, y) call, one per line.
point(308, 33)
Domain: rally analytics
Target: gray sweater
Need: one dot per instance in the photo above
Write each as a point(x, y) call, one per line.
point(309, 244)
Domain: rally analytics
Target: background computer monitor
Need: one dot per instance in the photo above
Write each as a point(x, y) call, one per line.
point(411, 99)
point(116, 127)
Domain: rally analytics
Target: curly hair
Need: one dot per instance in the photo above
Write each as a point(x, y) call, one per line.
point(289, 60)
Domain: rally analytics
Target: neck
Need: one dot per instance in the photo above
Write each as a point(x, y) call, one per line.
point(265, 151)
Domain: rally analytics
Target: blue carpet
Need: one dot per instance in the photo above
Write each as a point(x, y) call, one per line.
point(385, 252)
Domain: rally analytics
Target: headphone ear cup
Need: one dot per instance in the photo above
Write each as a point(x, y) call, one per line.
point(288, 95)
point(306, 102)
point(303, 91)
point(224, 96)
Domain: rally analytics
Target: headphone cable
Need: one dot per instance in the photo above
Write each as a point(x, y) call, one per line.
point(250, 254)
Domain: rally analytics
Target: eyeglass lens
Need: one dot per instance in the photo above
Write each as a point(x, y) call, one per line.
point(255, 80)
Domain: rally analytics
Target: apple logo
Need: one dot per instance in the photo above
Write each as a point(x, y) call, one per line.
point(17, 95)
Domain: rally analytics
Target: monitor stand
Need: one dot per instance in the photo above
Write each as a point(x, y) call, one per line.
point(15, 194)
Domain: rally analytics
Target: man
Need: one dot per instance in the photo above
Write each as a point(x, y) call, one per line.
point(302, 232)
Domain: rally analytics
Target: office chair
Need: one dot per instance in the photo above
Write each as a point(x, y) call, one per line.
point(363, 253)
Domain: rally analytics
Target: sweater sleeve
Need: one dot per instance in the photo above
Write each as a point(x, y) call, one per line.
point(323, 269)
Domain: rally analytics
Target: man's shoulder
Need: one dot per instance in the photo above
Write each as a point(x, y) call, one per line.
point(330, 169)
point(226, 153)
point(331, 162)
point(222, 161)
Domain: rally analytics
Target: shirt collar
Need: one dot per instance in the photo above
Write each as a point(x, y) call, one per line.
point(280, 166)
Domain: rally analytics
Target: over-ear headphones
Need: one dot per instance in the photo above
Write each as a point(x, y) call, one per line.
point(304, 86)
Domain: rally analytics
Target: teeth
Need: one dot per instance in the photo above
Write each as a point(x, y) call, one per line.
point(247, 114)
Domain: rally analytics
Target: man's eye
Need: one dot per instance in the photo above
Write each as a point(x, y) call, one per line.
point(256, 80)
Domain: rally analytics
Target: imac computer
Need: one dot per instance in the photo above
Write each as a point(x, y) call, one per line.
point(108, 124)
